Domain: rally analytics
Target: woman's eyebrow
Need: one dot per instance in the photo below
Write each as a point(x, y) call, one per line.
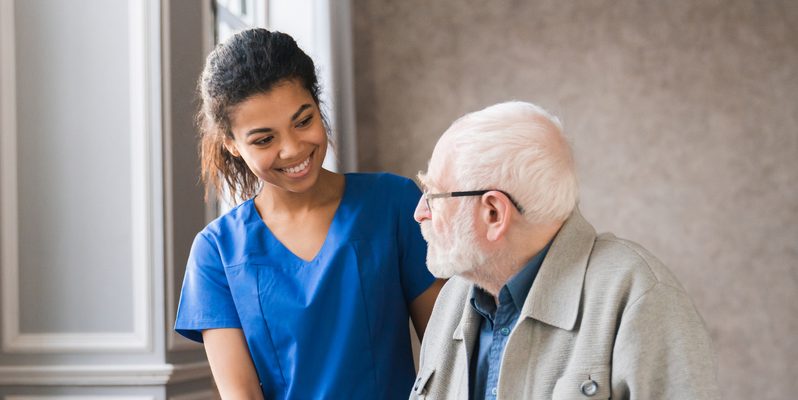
point(258, 130)
point(299, 112)
point(293, 118)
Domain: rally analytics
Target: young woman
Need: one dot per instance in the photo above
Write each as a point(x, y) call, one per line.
point(303, 291)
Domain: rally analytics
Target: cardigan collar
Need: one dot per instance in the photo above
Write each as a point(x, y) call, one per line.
point(557, 290)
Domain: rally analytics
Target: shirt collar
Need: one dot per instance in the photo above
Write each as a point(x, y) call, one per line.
point(521, 282)
point(483, 303)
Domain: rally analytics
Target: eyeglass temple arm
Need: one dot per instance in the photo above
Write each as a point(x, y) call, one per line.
point(481, 192)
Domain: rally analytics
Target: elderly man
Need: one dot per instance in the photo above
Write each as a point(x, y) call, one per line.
point(538, 305)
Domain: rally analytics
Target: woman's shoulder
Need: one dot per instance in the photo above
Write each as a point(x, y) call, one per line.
point(225, 239)
point(232, 221)
point(384, 195)
point(380, 182)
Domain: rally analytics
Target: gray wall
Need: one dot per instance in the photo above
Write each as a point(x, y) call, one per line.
point(683, 116)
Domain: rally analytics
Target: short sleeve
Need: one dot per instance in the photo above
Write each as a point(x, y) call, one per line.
point(205, 300)
point(412, 247)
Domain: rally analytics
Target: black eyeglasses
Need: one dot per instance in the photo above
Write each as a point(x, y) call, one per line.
point(430, 196)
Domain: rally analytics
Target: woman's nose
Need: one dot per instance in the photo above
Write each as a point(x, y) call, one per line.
point(290, 147)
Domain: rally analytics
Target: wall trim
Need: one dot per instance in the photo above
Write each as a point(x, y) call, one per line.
point(88, 397)
point(75, 342)
point(103, 375)
point(200, 395)
point(9, 248)
point(14, 341)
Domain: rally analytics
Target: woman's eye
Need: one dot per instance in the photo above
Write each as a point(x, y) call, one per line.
point(304, 122)
point(262, 141)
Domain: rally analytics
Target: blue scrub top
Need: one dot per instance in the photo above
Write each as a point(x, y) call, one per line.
point(332, 327)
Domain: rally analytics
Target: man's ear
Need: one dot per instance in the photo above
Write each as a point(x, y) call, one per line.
point(230, 145)
point(495, 210)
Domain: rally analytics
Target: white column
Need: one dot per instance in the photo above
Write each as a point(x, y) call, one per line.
point(90, 182)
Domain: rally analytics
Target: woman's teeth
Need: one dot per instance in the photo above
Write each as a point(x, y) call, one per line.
point(299, 168)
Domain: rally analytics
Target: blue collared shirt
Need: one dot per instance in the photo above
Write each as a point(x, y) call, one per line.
point(496, 325)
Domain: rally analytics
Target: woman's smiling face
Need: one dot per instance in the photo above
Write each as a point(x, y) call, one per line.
point(281, 136)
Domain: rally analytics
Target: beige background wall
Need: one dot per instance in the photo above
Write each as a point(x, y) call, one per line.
point(683, 115)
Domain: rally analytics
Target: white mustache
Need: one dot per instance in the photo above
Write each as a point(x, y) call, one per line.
point(425, 231)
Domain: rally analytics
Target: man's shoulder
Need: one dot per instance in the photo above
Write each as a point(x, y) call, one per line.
point(454, 292)
point(626, 265)
point(456, 287)
point(449, 306)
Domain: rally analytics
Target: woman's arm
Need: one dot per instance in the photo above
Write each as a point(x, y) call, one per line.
point(421, 307)
point(231, 364)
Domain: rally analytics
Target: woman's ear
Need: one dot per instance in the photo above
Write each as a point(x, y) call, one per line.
point(495, 209)
point(230, 146)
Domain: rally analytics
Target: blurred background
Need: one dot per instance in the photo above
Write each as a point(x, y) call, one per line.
point(683, 116)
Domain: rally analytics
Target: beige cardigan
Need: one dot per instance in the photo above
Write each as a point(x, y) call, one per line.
point(603, 319)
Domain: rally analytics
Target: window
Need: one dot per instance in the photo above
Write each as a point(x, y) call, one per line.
point(235, 15)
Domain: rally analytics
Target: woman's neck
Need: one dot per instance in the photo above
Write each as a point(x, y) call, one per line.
point(328, 188)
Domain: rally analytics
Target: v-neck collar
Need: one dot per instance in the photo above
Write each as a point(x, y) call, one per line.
point(276, 243)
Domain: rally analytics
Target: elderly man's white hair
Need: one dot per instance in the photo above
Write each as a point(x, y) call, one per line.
point(517, 147)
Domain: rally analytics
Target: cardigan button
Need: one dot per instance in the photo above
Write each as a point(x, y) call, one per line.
point(589, 388)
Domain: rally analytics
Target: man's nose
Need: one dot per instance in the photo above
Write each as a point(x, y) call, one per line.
point(422, 211)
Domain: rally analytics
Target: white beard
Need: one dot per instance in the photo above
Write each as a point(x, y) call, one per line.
point(462, 255)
